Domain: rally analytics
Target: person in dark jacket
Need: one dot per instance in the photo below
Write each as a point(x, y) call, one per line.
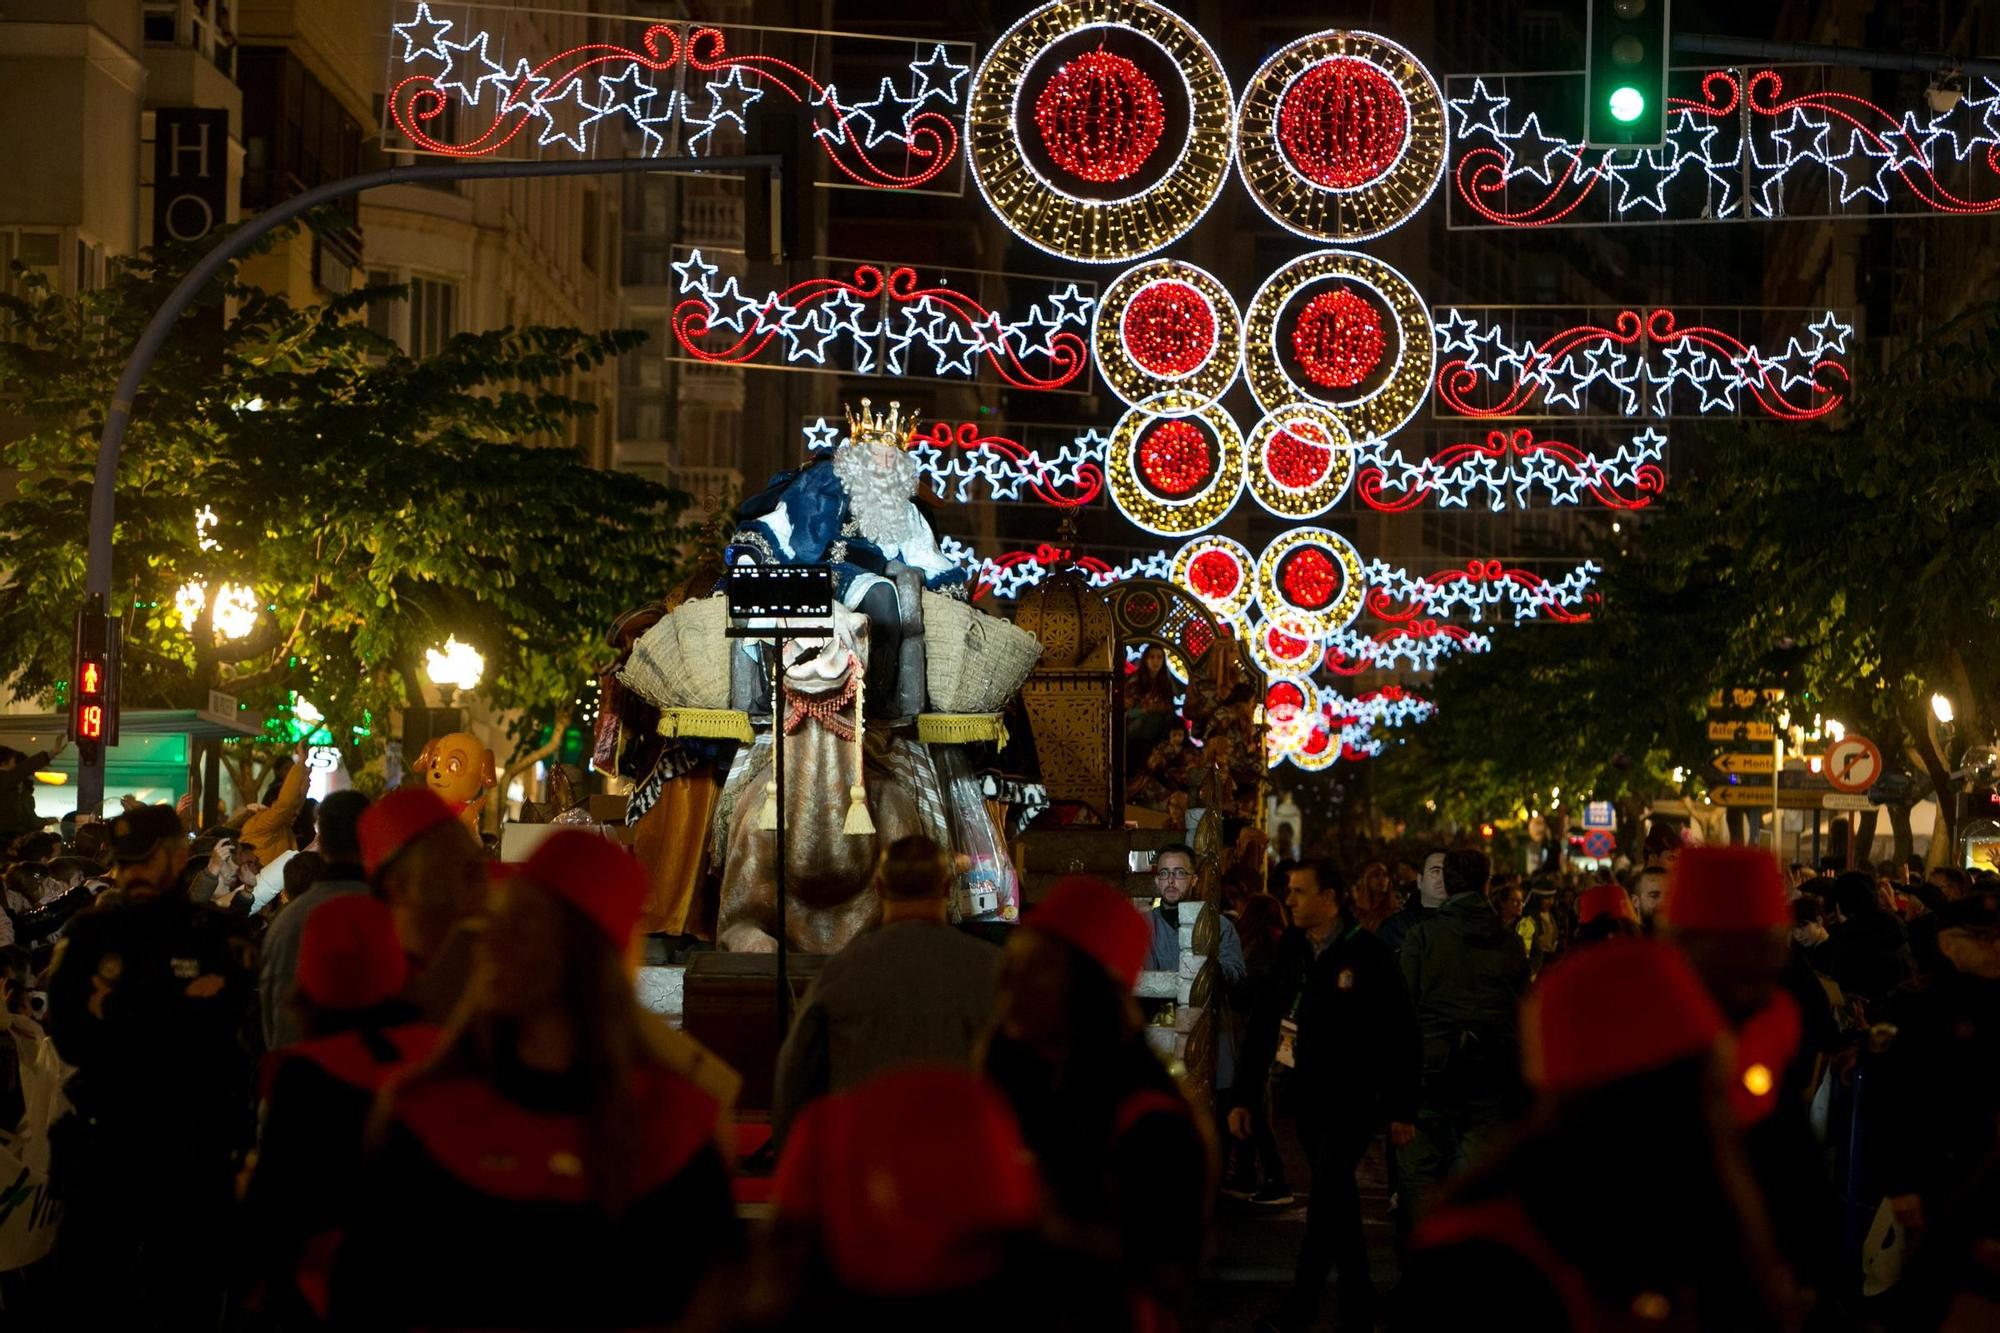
point(153, 999)
point(318, 1095)
point(17, 791)
point(1422, 906)
point(1867, 953)
point(340, 843)
point(1125, 1156)
point(1340, 1018)
point(1625, 1201)
point(557, 1164)
point(1465, 974)
point(1260, 1177)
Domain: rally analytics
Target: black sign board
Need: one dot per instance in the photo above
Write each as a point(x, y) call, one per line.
point(190, 172)
point(762, 594)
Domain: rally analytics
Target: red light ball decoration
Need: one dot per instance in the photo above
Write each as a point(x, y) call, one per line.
point(1214, 575)
point(1101, 117)
point(1286, 647)
point(1169, 328)
point(1309, 578)
point(1174, 457)
point(1296, 461)
point(1284, 694)
point(1343, 123)
point(1338, 339)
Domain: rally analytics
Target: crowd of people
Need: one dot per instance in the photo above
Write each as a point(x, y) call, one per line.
point(416, 1089)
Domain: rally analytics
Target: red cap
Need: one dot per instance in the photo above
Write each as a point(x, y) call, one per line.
point(349, 956)
point(1726, 889)
point(1614, 1010)
point(904, 1176)
point(1605, 900)
point(1087, 912)
point(389, 825)
point(595, 876)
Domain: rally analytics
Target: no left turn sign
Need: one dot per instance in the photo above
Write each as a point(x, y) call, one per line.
point(1853, 764)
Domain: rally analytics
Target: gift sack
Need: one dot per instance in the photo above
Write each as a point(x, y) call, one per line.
point(973, 662)
point(683, 662)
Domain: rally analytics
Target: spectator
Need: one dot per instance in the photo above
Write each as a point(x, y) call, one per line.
point(268, 829)
point(1124, 1157)
point(556, 1163)
point(1539, 928)
point(1809, 934)
point(1867, 954)
point(1649, 890)
point(17, 794)
point(1374, 897)
point(1261, 1178)
point(1465, 974)
point(912, 991)
point(1604, 912)
point(430, 870)
point(1570, 1228)
point(340, 843)
point(1946, 885)
point(319, 1091)
point(302, 871)
point(1340, 1018)
point(1509, 900)
point(1176, 881)
point(1664, 843)
point(1425, 904)
point(152, 999)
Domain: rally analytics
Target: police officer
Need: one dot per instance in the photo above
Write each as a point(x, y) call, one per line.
point(153, 999)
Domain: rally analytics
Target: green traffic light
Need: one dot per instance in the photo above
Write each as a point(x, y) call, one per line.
point(1627, 104)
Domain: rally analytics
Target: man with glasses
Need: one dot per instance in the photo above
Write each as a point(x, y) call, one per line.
point(1175, 881)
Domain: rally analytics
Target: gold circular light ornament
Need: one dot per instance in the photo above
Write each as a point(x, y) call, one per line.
point(1286, 646)
point(1122, 211)
point(1176, 471)
point(1354, 301)
point(1167, 332)
point(1312, 578)
point(1341, 136)
point(1299, 461)
point(1220, 573)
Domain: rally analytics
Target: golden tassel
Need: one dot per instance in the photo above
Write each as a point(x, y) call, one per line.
point(858, 823)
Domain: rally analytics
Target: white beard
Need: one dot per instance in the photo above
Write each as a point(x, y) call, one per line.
point(878, 493)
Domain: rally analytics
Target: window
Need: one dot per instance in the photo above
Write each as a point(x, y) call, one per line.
point(433, 315)
point(382, 313)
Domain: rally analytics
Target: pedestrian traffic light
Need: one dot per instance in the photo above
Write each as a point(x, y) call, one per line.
point(93, 696)
point(1625, 74)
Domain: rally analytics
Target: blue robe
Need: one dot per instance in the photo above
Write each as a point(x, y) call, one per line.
point(801, 518)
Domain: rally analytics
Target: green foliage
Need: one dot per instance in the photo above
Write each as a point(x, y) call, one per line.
point(374, 502)
point(1856, 563)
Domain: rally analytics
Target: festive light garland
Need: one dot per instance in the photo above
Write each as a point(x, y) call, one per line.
point(1311, 577)
point(814, 315)
point(1513, 463)
point(1480, 586)
point(1419, 645)
point(572, 100)
point(1738, 134)
point(1338, 342)
point(1176, 471)
point(1106, 126)
point(1312, 727)
point(1166, 331)
point(1011, 573)
point(1341, 136)
point(1559, 371)
point(951, 460)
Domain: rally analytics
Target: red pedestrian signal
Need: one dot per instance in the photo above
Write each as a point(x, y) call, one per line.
point(93, 679)
point(93, 718)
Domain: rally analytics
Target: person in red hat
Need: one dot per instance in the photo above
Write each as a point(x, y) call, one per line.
point(431, 872)
point(1727, 911)
point(1605, 911)
point(912, 1201)
point(557, 1163)
point(318, 1094)
point(1121, 1148)
point(1625, 1200)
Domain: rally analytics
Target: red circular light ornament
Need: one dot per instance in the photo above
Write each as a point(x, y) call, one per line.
point(1294, 459)
point(1309, 578)
point(1101, 117)
point(1343, 123)
point(1174, 457)
point(1284, 694)
point(1169, 328)
point(1338, 339)
point(1214, 575)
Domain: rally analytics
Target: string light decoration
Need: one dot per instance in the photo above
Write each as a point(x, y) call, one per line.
point(1481, 586)
point(677, 91)
point(1300, 310)
point(1516, 465)
point(1341, 136)
point(1177, 471)
point(1311, 577)
point(1699, 369)
point(1738, 149)
point(1300, 461)
point(1220, 574)
point(1418, 645)
point(954, 459)
point(1313, 727)
point(883, 323)
point(1167, 331)
point(1011, 573)
point(1113, 195)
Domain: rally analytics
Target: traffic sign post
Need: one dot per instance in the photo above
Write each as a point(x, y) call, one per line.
point(1598, 844)
point(1742, 731)
point(1746, 764)
point(1853, 763)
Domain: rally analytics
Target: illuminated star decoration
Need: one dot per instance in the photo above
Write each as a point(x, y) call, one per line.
point(1830, 153)
point(421, 36)
point(1484, 586)
point(1009, 575)
point(1517, 469)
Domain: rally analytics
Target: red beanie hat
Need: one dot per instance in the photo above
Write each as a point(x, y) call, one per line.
point(1087, 912)
point(389, 825)
point(1614, 1010)
point(594, 875)
point(903, 1176)
point(1605, 900)
point(349, 956)
point(1726, 889)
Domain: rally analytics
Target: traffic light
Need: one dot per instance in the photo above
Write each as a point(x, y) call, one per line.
point(93, 696)
point(1625, 74)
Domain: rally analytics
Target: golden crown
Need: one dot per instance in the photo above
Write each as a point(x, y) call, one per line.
point(889, 428)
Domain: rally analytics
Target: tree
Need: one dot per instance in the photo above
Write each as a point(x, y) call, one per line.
point(370, 504)
point(1857, 564)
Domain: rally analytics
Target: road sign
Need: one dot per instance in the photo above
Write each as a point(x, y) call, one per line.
point(1852, 764)
point(1598, 844)
point(1755, 798)
point(1600, 814)
point(1789, 799)
point(1746, 763)
point(1838, 800)
point(1741, 731)
point(1738, 701)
